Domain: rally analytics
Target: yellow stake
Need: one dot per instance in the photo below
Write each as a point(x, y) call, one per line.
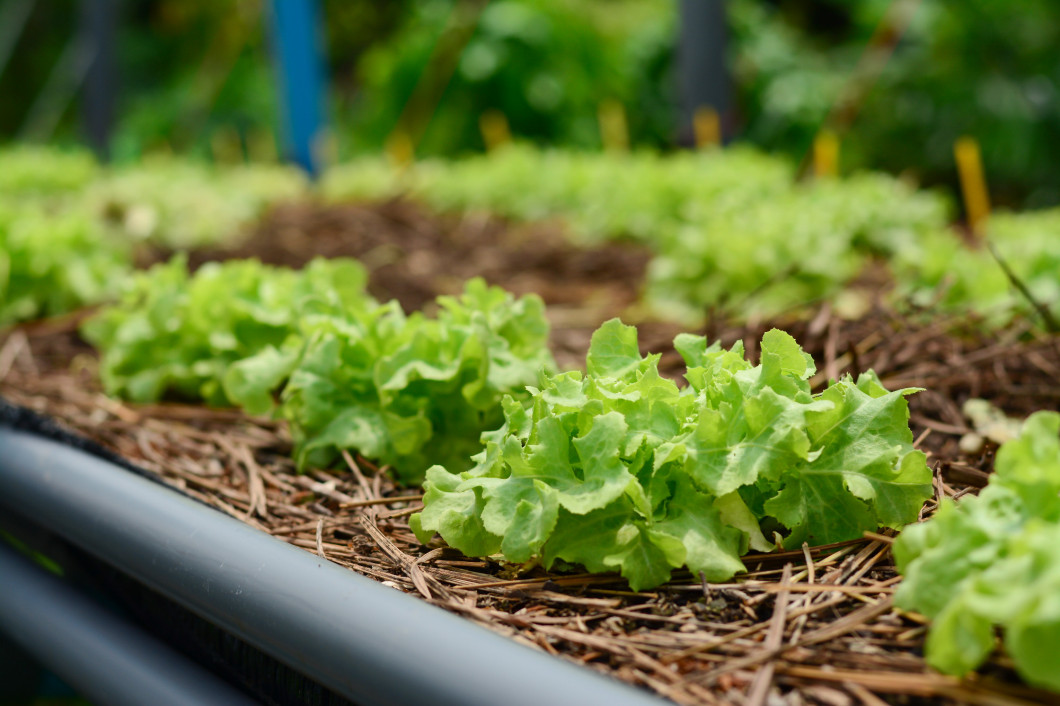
point(400, 149)
point(973, 183)
point(826, 154)
point(614, 131)
point(706, 124)
point(261, 145)
point(494, 127)
point(225, 145)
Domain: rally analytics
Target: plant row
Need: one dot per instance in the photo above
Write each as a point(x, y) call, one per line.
point(69, 229)
point(345, 371)
point(617, 468)
point(612, 469)
point(731, 230)
point(734, 230)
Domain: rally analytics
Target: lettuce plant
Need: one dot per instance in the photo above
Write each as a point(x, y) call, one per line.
point(178, 333)
point(52, 263)
point(349, 373)
point(619, 469)
point(991, 561)
point(410, 390)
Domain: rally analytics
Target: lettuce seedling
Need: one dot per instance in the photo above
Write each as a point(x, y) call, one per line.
point(620, 469)
point(991, 561)
point(410, 391)
point(177, 333)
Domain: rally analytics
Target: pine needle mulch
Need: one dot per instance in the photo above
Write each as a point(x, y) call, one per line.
point(812, 626)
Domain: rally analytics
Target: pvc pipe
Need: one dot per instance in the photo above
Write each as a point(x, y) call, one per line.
point(107, 659)
point(367, 642)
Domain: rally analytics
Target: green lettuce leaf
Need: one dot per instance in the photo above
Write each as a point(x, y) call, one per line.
point(620, 469)
point(990, 561)
point(175, 333)
point(411, 391)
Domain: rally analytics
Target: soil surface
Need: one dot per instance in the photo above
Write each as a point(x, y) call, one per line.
point(814, 626)
point(413, 256)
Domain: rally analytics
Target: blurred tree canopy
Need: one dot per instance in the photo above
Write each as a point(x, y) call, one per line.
point(196, 74)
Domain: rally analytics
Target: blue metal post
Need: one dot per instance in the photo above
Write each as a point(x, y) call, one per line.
point(299, 59)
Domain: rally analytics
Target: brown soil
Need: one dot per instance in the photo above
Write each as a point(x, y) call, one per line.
point(799, 627)
point(413, 256)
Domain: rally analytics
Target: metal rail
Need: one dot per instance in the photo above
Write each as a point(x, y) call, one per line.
point(367, 642)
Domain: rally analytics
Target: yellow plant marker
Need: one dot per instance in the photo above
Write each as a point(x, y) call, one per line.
point(973, 182)
point(706, 124)
point(826, 155)
point(614, 131)
point(400, 149)
point(495, 130)
point(225, 146)
point(261, 145)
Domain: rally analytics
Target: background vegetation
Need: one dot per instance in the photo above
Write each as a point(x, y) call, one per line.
point(901, 79)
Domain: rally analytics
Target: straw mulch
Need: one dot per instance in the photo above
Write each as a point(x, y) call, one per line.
point(811, 626)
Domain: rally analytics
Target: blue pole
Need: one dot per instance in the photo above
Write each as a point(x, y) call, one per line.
point(297, 52)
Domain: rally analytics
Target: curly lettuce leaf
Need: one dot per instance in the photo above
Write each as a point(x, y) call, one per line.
point(990, 561)
point(619, 469)
point(53, 261)
point(176, 333)
point(413, 391)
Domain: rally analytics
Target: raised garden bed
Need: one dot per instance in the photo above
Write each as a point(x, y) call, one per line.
point(813, 626)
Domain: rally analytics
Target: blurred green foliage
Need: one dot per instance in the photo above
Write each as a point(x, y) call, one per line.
point(986, 68)
point(196, 76)
point(546, 65)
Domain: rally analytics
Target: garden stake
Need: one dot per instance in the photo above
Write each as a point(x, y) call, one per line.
point(707, 126)
point(399, 148)
point(495, 130)
point(826, 155)
point(614, 130)
point(973, 183)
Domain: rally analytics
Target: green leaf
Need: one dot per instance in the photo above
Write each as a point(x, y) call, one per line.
point(863, 473)
point(251, 382)
point(621, 469)
point(456, 514)
point(712, 547)
point(990, 562)
point(959, 640)
point(613, 351)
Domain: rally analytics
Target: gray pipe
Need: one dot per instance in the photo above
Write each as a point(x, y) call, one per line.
point(107, 659)
point(367, 642)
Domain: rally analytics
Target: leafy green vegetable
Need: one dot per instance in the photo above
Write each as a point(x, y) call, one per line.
point(182, 204)
point(52, 263)
point(621, 469)
point(177, 333)
point(354, 374)
point(601, 195)
point(411, 391)
point(796, 247)
point(991, 561)
point(941, 268)
point(34, 171)
point(731, 229)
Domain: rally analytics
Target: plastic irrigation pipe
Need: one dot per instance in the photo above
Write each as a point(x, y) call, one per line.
point(107, 659)
point(367, 642)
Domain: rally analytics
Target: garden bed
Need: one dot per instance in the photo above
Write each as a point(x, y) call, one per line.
point(811, 626)
point(414, 255)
